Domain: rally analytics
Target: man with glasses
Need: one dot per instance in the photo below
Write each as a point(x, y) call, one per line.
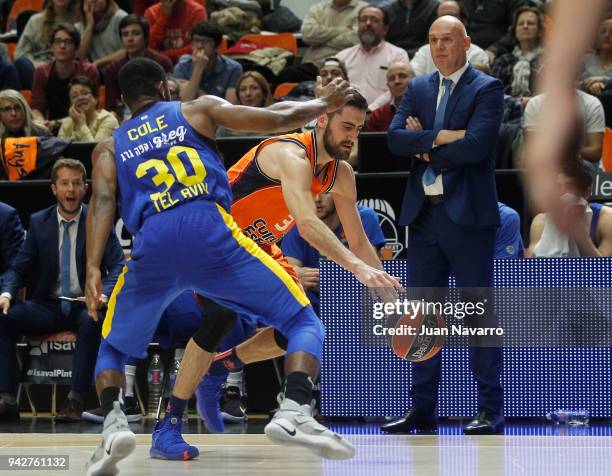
point(134, 32)
point(205, 71)
point(50, 101)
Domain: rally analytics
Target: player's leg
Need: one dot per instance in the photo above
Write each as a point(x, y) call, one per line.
point(267, 343)
point(133, 313)
point(256, 284)
point(208, 392)
point(177, 324)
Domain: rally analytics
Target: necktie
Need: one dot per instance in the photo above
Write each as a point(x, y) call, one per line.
point(429, 176)
point(65, 266)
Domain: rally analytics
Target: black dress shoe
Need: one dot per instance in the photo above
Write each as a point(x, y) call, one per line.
point(412, 420)
point(485, 423)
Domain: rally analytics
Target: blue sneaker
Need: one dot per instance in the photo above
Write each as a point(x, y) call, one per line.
point(168, 443)
point(208, 394)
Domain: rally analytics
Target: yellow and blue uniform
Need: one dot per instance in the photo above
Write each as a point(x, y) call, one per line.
point(174, 196)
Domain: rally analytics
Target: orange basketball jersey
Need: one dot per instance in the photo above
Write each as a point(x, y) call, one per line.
point(258, 206)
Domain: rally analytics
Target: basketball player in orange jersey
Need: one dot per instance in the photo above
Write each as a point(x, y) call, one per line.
point(273, 187)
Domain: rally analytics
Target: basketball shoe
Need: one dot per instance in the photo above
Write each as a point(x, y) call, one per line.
point(117, 443)
point(293, 424)
point(168, 442)
point(233, 405)
point(208, 394)
point(132, 412)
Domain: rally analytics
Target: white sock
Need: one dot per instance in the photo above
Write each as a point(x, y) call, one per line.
point(130, 378)
point(178, 354)
point(236, 379)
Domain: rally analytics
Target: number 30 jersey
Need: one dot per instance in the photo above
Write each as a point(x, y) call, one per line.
point(163, 162)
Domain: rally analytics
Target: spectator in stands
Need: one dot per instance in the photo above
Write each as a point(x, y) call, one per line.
point(422, 62)
point(205, 71)
point(11, 239)
point(50, 101)
point(254, 91)
point(171, 23)
point(134, 33)
point(16, 117)
point(597, 73)
point(100, 40)
point(305, 259)
point(409, 22)
point(508, 240)
point(398, 75)
point(52, 264)
point(327, 28)
point(9, 77)
point(598, 64)
point(518, 70)
point(332, 68)
point(305, 90)
point(367, 62)
point(592, 221)
point(34, 45)
point(489, 24)
point(85, 122)
point(592, 128)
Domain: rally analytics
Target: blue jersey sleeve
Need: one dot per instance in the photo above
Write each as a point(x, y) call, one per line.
point(371, 225)
point(294, 246)
point(508, 240)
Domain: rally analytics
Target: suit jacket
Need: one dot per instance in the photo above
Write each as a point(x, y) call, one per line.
point(476, 104)
point(11, 238)
point(37, 263)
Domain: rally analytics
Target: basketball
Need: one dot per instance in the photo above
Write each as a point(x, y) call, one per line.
point(418, 337)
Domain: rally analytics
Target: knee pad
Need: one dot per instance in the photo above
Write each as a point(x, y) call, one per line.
point(304, 333)
point(109, 358)
point(217, 323)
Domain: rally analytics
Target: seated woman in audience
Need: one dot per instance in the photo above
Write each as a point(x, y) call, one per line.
point(16, 117)
point(252, 90)
point(518, 70)
point(34, 46)
point(598, 65)
point(597, 74)
point(100, 40)
point(85, 122)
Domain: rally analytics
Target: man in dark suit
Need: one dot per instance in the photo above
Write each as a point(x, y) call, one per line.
point(449, 121)
point(51, 263)
point(11, 238)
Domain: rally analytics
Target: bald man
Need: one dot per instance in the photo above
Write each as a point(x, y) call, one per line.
point(447, 126)
point(422, 63)
point(398, 75)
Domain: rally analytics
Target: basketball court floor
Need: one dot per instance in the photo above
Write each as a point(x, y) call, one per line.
point(534, 448)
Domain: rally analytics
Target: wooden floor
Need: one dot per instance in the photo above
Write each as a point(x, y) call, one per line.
point(252, 454)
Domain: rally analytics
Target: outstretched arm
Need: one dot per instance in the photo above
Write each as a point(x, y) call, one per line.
point(292, 115)
point(100, 217)
point(345, 199)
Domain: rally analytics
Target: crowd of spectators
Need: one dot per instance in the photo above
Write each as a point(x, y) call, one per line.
point(95, 38)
